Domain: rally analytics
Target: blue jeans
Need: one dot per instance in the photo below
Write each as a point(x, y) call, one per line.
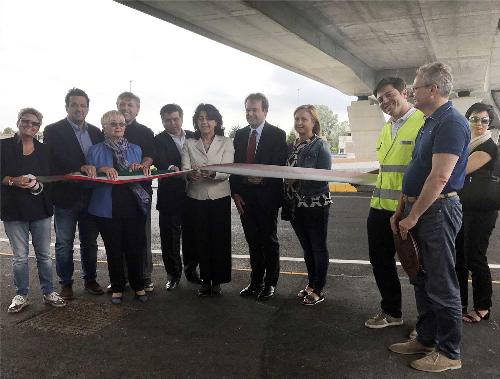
point(18, 234)
point(437, 291)
point(311, 227)
point(65, 220)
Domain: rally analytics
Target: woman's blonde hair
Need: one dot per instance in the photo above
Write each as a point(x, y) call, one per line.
point(107, 116)
point(311, 109)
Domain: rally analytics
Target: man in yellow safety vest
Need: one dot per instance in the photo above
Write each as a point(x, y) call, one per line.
point(394, 150)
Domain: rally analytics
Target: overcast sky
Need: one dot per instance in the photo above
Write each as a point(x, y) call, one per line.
point(48, 47)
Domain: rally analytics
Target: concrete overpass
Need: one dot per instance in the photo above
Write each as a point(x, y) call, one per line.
point(350, 45)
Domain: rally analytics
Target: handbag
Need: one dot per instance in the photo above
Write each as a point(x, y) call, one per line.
point(408, 254)
point(481, 192)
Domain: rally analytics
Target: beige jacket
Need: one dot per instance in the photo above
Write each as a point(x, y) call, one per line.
point(194, 157)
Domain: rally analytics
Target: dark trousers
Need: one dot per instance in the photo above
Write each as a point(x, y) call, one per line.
point(381, 249)
point(437, 292)
point(212, 223)
point(472, 245)
point(260, 223)
point(189, 254)
point(170, 235)
point(124, 240)
point(311, 227)
point(147, 255)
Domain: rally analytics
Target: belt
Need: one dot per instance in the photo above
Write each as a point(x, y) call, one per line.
point(412, 199)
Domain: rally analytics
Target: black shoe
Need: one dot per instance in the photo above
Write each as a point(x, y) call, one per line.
point(93, 287)
point(172, 284)
point(266, 293)
point(193, 277)
point(250, 290)
point(205, 290)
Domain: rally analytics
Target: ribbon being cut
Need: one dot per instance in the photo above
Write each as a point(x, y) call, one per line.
point(243, 169)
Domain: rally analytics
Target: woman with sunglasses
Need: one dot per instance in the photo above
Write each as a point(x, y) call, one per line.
point(473, 239)
point(120, 210)
point(309, 201)
point(26, 208)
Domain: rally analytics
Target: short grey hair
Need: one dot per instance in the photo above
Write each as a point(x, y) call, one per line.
point(128, 96)
point(437, 73)
point(32, 111)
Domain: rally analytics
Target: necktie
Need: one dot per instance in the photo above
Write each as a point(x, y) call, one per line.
point(252, 143)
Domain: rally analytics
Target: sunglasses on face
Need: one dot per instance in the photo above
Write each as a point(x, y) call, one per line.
point(475, 120)
point(116, 124)
point(25, 123)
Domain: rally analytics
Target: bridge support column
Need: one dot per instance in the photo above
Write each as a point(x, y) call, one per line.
point(366, 121)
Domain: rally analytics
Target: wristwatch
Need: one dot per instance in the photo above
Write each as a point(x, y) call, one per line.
point(11, 182)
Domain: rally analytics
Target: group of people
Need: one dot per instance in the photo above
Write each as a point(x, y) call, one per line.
point(194, 209)
point(425, 152)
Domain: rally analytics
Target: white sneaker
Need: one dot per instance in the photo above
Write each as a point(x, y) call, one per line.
point(54, 299)
point(18, 303)
point(382, 320)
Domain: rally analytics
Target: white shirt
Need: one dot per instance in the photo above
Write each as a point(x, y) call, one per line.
point(397, 124)
point(179, 140)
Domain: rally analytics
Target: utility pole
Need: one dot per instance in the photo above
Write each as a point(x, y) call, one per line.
point(298, 96)
point(130, 85)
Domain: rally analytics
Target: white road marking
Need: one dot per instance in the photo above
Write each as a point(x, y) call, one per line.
point(283, 259)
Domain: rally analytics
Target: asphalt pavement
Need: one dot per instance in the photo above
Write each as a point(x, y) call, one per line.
point(178, 335)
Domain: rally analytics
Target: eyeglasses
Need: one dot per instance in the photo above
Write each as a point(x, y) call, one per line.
point(388, 95)
point(114, 124)
point(425, 85)
point(476, 119)
point(25, 123)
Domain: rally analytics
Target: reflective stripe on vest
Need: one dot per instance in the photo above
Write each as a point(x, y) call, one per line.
point(387, 193)
point(393, 168)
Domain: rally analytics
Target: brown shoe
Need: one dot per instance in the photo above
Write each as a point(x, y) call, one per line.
point(410, 347)
point(93, 287)
point(436, 362)
point(66, 291)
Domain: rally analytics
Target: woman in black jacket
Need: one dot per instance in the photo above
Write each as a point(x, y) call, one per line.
point(26, 208)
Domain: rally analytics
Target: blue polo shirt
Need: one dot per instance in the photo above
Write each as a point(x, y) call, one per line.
point(445, 131)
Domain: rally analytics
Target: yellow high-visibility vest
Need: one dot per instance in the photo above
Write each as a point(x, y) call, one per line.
point(394, 154)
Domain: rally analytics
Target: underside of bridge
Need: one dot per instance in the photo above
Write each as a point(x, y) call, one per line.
point(350, 45)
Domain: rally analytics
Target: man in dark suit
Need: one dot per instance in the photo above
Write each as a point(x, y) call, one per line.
point(129, 105)
point(171, 200)
point(68, 141)
point(259, 199)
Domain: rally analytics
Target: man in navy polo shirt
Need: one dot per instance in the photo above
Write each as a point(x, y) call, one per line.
point(431, 209)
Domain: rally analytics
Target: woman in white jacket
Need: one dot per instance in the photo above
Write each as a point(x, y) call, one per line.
point(210, 197)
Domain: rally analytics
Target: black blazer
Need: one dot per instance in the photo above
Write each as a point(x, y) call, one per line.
point(10, 164)
point(271, 150)
point(171, 191)
point(67, 156)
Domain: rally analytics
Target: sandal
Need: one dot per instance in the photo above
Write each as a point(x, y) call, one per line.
point(473, 320)
point(311, 300)
point(303, 293)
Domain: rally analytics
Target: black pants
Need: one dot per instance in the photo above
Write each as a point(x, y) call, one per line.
point(311, 227)
point(381, 249)
point(173, 226)
point(260, 223)
point(472, 245)
point(124, 239)
point(212, 225)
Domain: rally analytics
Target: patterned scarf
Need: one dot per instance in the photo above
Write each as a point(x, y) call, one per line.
point(476, 141)
point(119, 147)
